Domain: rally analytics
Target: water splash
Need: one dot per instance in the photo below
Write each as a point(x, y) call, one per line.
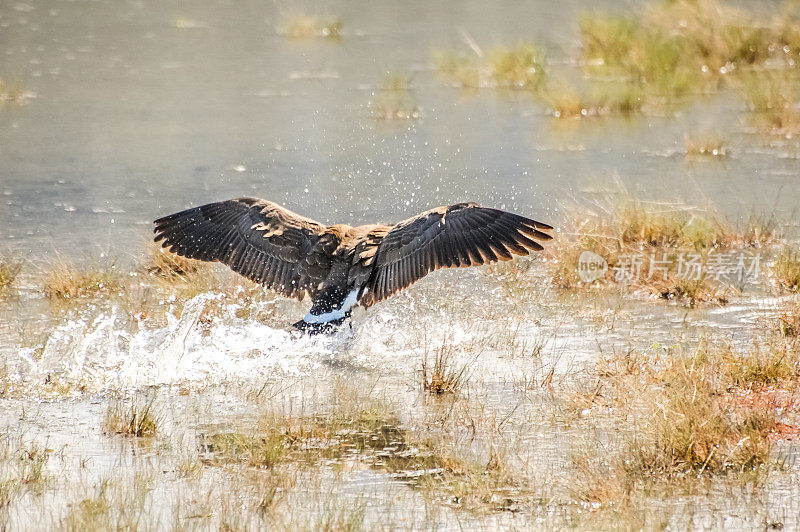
point(108, 352)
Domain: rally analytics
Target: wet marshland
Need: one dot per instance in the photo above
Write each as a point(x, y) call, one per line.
point(140, 391)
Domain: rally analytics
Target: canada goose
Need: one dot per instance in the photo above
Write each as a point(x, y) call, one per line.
point(340, 266)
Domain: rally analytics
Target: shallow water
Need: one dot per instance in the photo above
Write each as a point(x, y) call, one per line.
point(135, 117)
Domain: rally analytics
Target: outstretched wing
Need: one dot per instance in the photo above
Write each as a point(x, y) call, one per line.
point(449, 237)
point(259, 239)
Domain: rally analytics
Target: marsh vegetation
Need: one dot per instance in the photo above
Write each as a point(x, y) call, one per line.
point(144, 391)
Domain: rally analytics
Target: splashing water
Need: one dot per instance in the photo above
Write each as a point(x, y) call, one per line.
point(102, 354)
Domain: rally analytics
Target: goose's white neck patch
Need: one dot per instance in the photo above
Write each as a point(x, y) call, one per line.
point(347, 304)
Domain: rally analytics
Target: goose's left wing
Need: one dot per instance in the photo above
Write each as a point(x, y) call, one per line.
point(460, 235)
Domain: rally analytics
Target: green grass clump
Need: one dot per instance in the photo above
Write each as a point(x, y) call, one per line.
point(608, 41)
point(679, 47)
point(786, 269)
point(773, 98)
point(655, 62)
point(718, 36)
point(354, 422)
point(519, 67)
point(261, 450)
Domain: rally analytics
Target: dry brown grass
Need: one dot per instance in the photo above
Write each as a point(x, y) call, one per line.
point(759, 367)
point(598, 481)
point(761, 230)
point(690, 429)
point(65, 281)
point(786, 269)
point(23, 467)
point(137, 418)
point(789, 321)
point(698, 413)
point(443, 374)
point(689, 291)
point(171, 267)
point(673, 252)
point(596, 100)
point(9, 270)
point(705, 145)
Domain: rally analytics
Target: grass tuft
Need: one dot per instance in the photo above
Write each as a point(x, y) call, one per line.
point(13, 93)
point(9, 270)
point(774, 100)
point(444, 375)
point(648, 230)
point(705, 146)
point(169, 266)
point(786, 269)
point(519, 67)
point(690, 429)
point(677, 48)
point(699, 414)
point(623, 49)
point(789, 321)
point(300, 26)
point(66, 282)
point(758, 368)
point(138, 418)
point(690, 291)
point(598, 100)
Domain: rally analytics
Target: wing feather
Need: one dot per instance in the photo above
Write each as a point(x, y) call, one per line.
point(456, 236)
point(257, 238)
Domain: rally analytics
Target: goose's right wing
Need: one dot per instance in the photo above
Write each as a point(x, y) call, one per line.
point(259, 239)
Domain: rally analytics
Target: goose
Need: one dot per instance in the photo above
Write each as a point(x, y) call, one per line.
point(340, 266)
